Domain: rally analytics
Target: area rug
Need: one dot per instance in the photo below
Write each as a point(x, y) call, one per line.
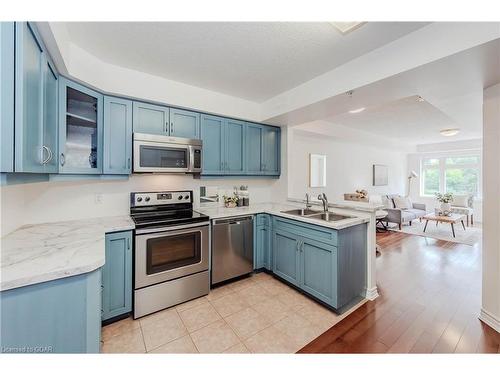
point(469, 236)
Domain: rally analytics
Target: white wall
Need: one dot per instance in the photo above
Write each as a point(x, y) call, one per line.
point(349, 166)
point(490, 312)
point(57, 201)
point(440, 149)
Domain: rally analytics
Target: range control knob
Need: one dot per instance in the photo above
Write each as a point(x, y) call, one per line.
point(186, 197)
point(139, 199)
point(180, 197)
point(147, 199)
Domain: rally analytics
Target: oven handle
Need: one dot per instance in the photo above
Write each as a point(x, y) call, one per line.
point(170, 229)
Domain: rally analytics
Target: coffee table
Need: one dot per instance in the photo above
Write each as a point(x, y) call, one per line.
point(452, 219)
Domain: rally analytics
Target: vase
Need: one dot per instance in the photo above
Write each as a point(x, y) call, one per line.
point(445, 207)
point(230, 204)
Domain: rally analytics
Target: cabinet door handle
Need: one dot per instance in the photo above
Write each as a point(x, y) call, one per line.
point(171, 127)
point(51, 154)
point(166, 127)
point(46, 160)
point(128, 243)
point(63, 159)
point(128, 163)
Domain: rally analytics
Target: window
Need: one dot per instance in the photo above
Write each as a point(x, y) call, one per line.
point(458, 174)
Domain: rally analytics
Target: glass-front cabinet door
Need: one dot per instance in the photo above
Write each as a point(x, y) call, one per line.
point(80, 131)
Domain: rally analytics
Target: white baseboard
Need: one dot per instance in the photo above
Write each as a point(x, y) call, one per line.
point(490, 319)
point(371, 294)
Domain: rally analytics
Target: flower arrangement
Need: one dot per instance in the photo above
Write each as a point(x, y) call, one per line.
point(444, 198)
point(230, 201)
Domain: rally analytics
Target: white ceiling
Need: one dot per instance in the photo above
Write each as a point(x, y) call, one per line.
point(407, 120)
point(453, 89)
point(254, 61)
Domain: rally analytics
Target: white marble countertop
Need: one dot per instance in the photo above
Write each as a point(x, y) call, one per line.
point(43, 252)
point(276, 208)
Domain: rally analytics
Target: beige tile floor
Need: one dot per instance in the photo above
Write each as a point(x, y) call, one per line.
point(258, 314)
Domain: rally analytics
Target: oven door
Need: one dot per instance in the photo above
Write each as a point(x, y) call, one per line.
point(170, 253)
point(161, 157)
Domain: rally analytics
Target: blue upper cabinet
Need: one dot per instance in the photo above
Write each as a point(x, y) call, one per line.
point(263, 150)
point(243, 148)
point(271, 145)
point(50, 118)
point(235, 161)
point(7, 96)
point(151, 119)
point(36, 98)
point(185, 124)
point(80, 129)
point(117, 275)
point(212, 135)
point(254, 148)
point(117, 136)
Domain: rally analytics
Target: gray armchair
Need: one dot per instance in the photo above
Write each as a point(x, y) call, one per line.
point(401, 216)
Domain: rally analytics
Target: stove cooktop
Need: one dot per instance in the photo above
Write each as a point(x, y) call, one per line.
point(168, 218)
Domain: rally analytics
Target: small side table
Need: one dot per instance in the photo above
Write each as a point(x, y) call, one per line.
point(380, 215)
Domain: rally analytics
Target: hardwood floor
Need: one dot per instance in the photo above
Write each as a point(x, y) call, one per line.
point(430, 297)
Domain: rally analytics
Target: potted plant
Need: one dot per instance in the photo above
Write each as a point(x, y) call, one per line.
point(445, 200)
point(230, 201)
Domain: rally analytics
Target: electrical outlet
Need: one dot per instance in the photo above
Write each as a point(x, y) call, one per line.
point(98, 198)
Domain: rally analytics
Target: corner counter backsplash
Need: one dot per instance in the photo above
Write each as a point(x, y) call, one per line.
point(58, 201)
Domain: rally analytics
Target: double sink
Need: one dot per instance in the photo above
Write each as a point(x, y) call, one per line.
point(317, 215)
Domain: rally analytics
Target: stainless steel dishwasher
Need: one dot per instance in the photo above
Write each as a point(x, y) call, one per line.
point(232, 248)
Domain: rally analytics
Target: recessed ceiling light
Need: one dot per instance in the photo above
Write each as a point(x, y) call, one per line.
point(420, 99)
point(357, 110)
point(449, 132)
point(347, 27)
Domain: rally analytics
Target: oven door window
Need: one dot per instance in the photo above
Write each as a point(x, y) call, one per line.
point(170, 252)
point(163, 157)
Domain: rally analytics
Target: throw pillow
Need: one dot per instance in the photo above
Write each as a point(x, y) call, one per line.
point(402, 203)
point(460, 201)
point(387, 202)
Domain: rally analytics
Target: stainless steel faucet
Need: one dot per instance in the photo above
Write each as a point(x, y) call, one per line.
point(324, 199)
point(308, 204)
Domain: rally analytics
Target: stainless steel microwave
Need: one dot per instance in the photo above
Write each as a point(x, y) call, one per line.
point(164, 154)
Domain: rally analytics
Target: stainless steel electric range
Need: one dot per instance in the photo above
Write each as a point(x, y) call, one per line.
point(171, 250)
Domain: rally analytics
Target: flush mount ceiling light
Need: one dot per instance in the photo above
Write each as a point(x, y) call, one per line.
point(420, 99)
point(449, 132)
point(347, 27)
point(357, 110)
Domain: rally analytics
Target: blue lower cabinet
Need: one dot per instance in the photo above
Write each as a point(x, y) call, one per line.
point(318, 270)
point(117, 136)
point(263, 248)
point(328, 264)
point(117, 275)
point(59, 316)
point(286, 256)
